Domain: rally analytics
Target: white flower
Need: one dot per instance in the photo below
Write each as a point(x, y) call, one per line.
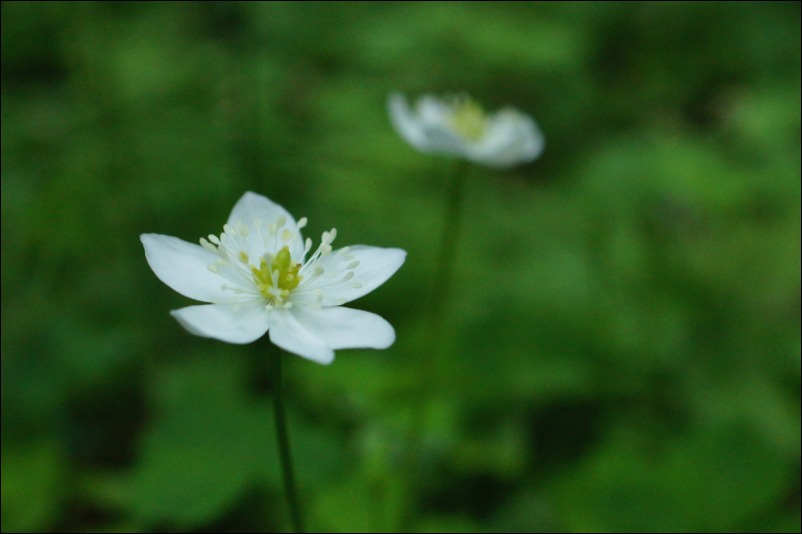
point(459, 127)
point(258, 279)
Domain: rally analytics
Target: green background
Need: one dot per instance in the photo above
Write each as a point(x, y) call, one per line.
point(622, 343)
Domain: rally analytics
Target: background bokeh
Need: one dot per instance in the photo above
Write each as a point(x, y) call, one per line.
point(622, 347)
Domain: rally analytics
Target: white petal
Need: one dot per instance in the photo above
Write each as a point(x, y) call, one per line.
point(258, 213)
point(436, 117)
point(511, 138)
point(375, 266)
point(289, 334)
point(185, 268)
point(432, 111)
point(405, 122)
point(233, 323)
point(442, 139)
point(342, 328)
point(426, 128)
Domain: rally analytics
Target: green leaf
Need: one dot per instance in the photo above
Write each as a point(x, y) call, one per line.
point(199, 455)
point(33, 480)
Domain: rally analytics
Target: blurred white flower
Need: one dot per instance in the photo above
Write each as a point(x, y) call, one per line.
point(258, 279)
point(459, 127)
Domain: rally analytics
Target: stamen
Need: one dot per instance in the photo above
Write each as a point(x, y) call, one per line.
point(467, 118)
point(208, 246)
point(275, 275)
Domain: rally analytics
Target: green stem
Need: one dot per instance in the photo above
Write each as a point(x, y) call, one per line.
point(432, 363)
point(284, 446)
point(449, 237)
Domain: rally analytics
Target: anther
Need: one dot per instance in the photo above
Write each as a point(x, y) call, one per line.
point(208, 246)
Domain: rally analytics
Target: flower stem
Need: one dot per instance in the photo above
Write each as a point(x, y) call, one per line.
point(432, 363)
point(444, 271)
point(284, 446)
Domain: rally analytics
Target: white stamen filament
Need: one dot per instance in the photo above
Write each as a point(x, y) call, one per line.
point(237, 265)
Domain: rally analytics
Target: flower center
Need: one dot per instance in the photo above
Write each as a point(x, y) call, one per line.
point(274, 276)
point(279, 272)
point(468, 118)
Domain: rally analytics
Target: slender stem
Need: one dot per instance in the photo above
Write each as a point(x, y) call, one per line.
point(431, 364)
point(444, 271)
point(284, 446)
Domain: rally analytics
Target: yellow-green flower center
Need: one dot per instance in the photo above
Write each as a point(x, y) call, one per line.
point(278, 271)
point(468, 119)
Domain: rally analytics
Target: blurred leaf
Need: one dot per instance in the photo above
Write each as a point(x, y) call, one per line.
point(204, 448)
point(690, 482)
point(33, 482)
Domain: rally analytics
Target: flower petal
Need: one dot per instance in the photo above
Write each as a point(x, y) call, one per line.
point(405, 122)
point(342, 328)
point(258, 213)
point(185, 268)
point(289, 334)
point(239, 323)
point(371, 267)
point(443, 140)
point(427, 127)
point(511, 138)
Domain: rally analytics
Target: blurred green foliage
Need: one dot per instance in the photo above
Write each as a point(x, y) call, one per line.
point(623, 344)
